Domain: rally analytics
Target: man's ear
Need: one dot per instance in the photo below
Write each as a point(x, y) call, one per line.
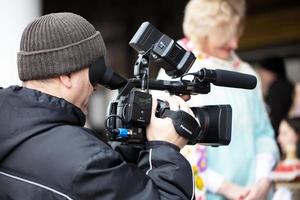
point(66, 80)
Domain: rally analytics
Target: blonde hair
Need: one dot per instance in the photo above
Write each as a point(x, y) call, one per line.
point(218, 19)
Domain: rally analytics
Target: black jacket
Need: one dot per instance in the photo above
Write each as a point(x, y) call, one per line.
point(45, 153)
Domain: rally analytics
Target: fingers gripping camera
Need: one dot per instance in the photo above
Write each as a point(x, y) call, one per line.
point(184, 124)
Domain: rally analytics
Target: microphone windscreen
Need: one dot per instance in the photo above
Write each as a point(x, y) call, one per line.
point(234, 79)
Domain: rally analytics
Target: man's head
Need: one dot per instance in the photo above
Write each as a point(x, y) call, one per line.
point(55, 53)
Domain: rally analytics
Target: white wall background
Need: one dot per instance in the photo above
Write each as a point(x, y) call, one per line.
point(293, 69)
point(14, 16)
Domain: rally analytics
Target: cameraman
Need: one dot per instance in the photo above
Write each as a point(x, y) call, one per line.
point(46, 153)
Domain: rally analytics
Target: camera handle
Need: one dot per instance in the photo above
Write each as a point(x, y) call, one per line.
point(184, 124)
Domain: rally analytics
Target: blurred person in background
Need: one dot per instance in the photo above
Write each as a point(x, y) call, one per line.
point(289, 134)
point(241, 170)
point(45, 150)
point(277, 89)
point(286, 171)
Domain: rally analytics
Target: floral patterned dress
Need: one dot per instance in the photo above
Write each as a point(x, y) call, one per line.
point(196, 155)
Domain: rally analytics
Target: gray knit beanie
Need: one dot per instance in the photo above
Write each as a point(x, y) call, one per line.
point(57, 44)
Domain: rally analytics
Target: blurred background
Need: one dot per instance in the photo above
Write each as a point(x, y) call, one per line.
point(272, 29)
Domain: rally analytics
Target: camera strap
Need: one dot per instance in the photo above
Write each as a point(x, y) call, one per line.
point(184, 124)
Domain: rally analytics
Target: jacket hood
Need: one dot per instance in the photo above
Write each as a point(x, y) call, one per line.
point(25, 113)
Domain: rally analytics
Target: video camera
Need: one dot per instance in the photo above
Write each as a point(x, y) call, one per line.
point(130, 112)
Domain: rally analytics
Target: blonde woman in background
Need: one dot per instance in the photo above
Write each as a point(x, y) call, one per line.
point(241, 170)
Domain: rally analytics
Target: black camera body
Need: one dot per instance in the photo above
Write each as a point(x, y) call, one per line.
point(130, 113)
point(134, 114)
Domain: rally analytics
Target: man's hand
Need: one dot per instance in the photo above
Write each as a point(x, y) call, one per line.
point(163, 129)
point(259, 191)
point(233, 191)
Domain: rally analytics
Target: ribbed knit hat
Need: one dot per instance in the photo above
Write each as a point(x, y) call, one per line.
point(57, 44)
